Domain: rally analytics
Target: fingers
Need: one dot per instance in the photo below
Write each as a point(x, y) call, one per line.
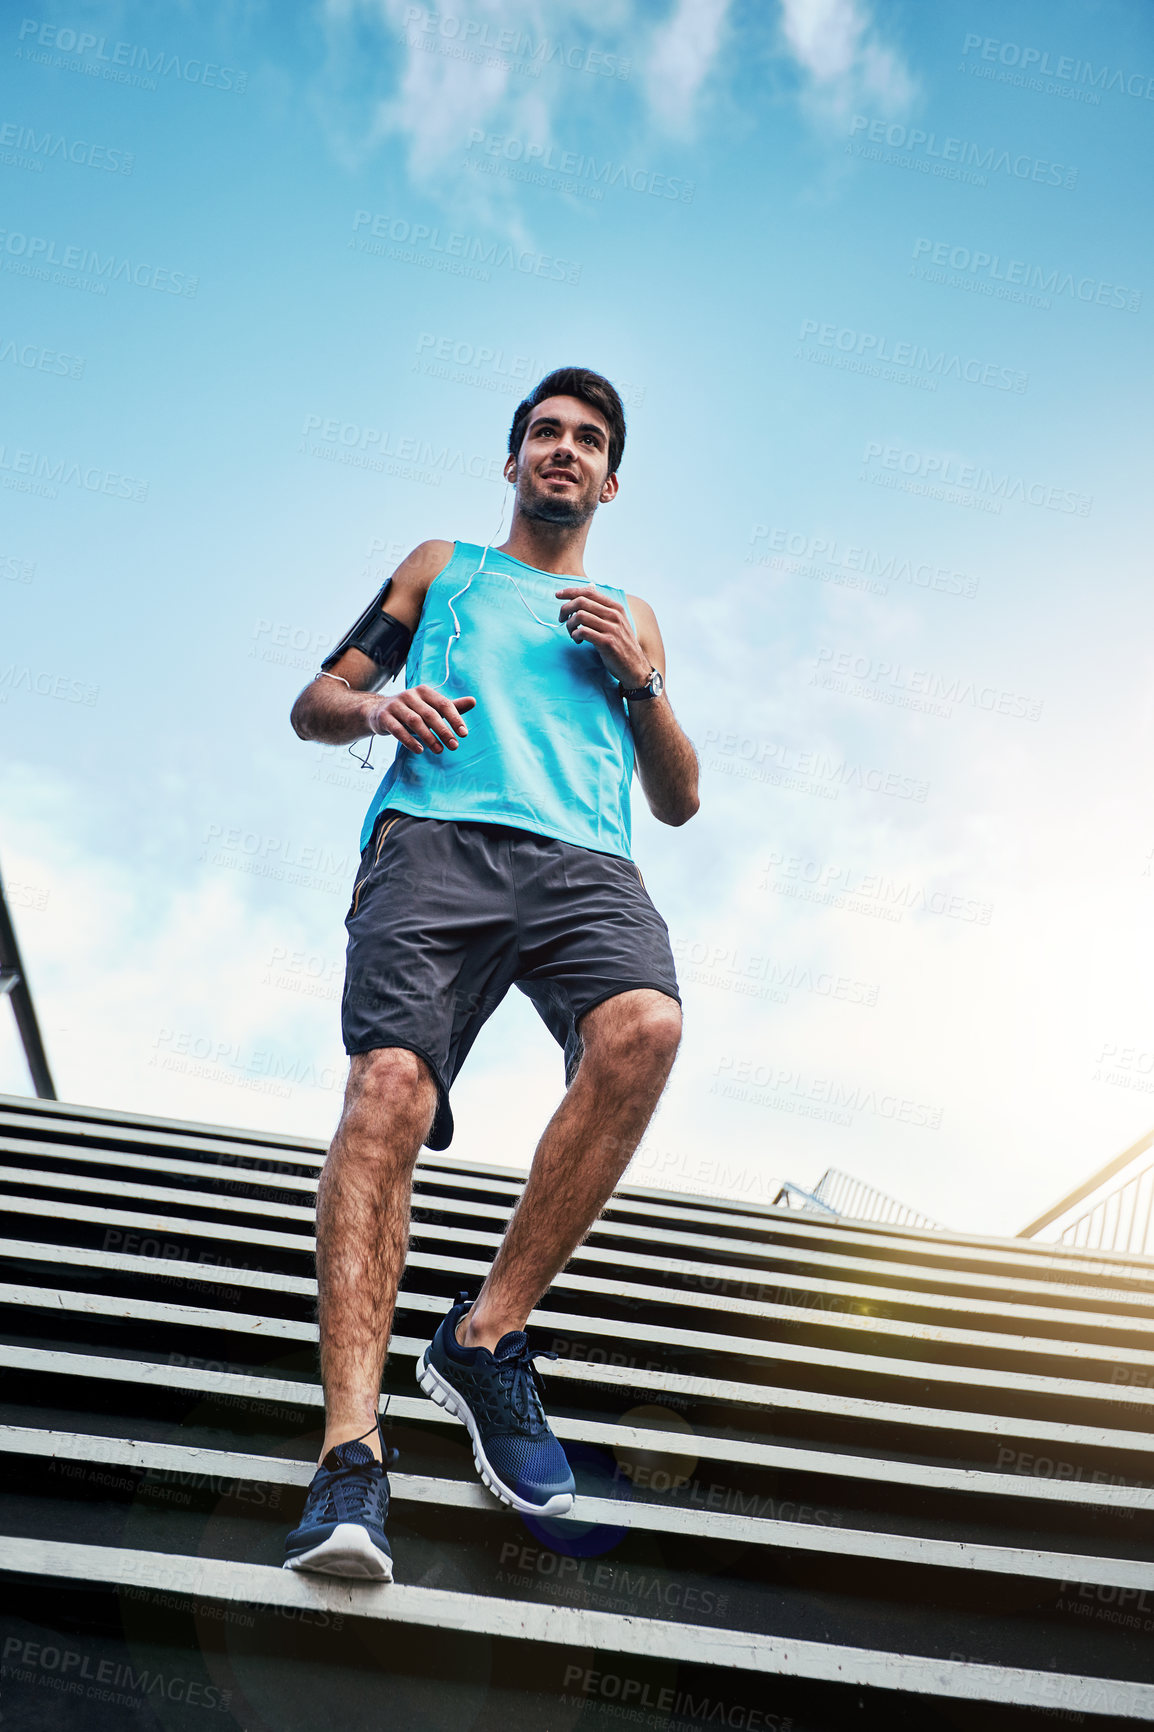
point(594, 616)
point(449, 708)
point(590, 600)
point(425, 717)
point(584, 623)
point(395, 726)
point(428, 725)
point(585, 631)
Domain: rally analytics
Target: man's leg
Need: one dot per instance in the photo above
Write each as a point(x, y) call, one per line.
point(363, 1231)
point(630, 1042)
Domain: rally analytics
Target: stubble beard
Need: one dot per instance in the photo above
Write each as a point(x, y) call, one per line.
point(544, 508)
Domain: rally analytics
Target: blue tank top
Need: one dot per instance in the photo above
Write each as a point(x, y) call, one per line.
point(549, 746)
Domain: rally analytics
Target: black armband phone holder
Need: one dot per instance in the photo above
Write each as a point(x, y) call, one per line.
point(380, 637)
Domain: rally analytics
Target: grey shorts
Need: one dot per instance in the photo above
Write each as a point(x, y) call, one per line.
point(446, 916)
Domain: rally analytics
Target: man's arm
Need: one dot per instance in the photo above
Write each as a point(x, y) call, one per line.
point(336, 714)
point(666, 761)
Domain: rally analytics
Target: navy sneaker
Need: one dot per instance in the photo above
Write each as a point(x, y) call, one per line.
point(342, 1530)
point(497, 1397)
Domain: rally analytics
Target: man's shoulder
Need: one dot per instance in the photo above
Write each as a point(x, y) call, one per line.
point(427, 561)
point(409, 584)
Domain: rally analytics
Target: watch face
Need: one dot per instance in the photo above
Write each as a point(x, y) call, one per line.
point(656, 683)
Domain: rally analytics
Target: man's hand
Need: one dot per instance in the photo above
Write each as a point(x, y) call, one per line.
point(420, 715)
point(665, 759)
point(597, 619)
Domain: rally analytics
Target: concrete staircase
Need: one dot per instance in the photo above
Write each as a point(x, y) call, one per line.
point(832, 1474)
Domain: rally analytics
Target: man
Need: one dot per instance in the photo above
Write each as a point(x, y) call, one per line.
point(496, 852)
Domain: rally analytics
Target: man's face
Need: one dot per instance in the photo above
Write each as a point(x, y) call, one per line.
point(561, 471)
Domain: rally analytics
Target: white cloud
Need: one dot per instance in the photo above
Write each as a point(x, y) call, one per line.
point(529, 70)
point(844, 64)
point(448, 88)
point(684, 50)
point(173, 996)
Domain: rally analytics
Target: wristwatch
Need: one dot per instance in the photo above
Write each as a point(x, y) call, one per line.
point(653, 688)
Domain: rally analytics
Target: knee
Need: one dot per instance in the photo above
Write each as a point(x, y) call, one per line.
point(389, 1079)
point(660, 1030)
point(644, 1036)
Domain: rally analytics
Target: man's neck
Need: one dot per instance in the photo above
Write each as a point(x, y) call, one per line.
point(552, 547)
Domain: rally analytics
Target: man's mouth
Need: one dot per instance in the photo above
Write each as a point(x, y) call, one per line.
point(558, 475)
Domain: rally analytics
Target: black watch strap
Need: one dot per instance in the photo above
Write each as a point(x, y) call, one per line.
point(653, 687)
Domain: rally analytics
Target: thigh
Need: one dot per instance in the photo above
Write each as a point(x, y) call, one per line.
point(589, 931)
point(432, 945)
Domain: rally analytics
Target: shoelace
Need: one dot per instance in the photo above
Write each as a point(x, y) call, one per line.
point(520, 1377)
point(350, 1491)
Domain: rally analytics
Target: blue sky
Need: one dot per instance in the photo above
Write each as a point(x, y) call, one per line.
point(875, 283)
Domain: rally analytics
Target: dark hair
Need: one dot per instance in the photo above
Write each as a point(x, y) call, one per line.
point(592, 388)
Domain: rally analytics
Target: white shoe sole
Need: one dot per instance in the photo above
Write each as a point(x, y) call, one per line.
point(446, 1396)
point(348, 1551)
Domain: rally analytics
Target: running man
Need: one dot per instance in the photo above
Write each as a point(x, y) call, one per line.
point(496, 852)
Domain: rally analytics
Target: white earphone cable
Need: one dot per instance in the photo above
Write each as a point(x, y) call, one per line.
point(550, 625)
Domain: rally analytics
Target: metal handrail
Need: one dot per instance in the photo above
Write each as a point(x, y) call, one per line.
point(789, 1190)
point(14, 986)
point(839, 1194)
point(1122, 1220)
point(1088, 1186)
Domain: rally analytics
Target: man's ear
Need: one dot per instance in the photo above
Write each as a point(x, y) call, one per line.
point(608, 489)
point(510, 470)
